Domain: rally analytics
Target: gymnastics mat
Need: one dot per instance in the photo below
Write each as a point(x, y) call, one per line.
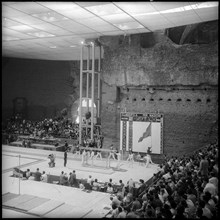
point(18, 200)
point(35, 202)
point(8, 196)
point(45, 208)
point(59, 212)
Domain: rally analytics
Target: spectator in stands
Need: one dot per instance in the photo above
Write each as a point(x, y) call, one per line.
point(28, 173)
point(95, 185)
point(65, 179)
point(115, 201)
point(121, 187)
point(135, 204)
point(121, 212)
point(130, 185)
point(37, 175)
point(90, 180)
point(81, 186)
point(109, 188)
point(203, 167)
point(31, 177)
point(72, 179)
point(44, 177)
point(114, 211)
point(131, 214)
point(62, 178)
point(211, 188)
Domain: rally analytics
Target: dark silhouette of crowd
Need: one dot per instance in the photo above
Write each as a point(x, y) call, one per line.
point(57, 128)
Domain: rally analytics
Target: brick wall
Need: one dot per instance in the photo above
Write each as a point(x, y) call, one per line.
point(188, 73)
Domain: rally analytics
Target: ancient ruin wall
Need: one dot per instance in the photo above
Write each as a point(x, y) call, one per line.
point(184, 81)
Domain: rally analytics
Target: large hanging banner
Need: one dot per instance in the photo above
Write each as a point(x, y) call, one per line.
point(138, 131)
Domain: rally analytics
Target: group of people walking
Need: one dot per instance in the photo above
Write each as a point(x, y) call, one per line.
point(91, 155)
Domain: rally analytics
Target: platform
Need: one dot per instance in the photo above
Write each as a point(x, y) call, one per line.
point(93, 203)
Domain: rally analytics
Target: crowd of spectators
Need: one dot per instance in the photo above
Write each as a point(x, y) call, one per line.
point(184, 187)
point(47, 128)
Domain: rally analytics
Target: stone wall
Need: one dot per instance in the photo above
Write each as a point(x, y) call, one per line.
point(144, 73)
point(179, 81)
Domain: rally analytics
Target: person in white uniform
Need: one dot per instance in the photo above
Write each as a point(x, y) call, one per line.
point(119, 159)
point(111, 154)
point(98, 154)
point(92, 154)
point(83, 156)
point(77, 151)
point(130, 158)
point(147, 159)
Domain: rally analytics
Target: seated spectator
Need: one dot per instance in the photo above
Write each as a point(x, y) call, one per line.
point(191, 196)
point(141, 187)
point(214, 180)
point(115, 201)
point(66, 182)
point(114, 211)
point(90, 180)
point(130, 185)
point(136, 204)
point(31, 177)
point(210, 187)
point(63, 178)
point(127, 199)
point(131, 214)
point(96, 185)
point(37, 175)
point(121, 186)
point(81, 186)
point(17, 172)
point(121, 212)
point(120, 196)
point(205, 211)
point(72, 179)
point(203, 167)
point(109, 188)
point(44, 177)
point(150, 212)
point(28, 173)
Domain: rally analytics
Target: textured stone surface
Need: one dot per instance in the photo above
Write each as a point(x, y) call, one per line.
point(187, 72)
point(163, 64)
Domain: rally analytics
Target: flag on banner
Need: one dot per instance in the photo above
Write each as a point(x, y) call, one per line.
point(146, 134)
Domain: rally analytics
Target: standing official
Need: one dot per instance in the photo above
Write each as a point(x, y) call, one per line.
point(65, 158)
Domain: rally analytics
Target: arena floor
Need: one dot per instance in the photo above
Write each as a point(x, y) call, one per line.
point(75, 203)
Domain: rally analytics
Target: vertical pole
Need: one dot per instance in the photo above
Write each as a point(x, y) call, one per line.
point(87, 86)
point(19, 173)
point(80, 95)
point(99, 69)
point(92, 90)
